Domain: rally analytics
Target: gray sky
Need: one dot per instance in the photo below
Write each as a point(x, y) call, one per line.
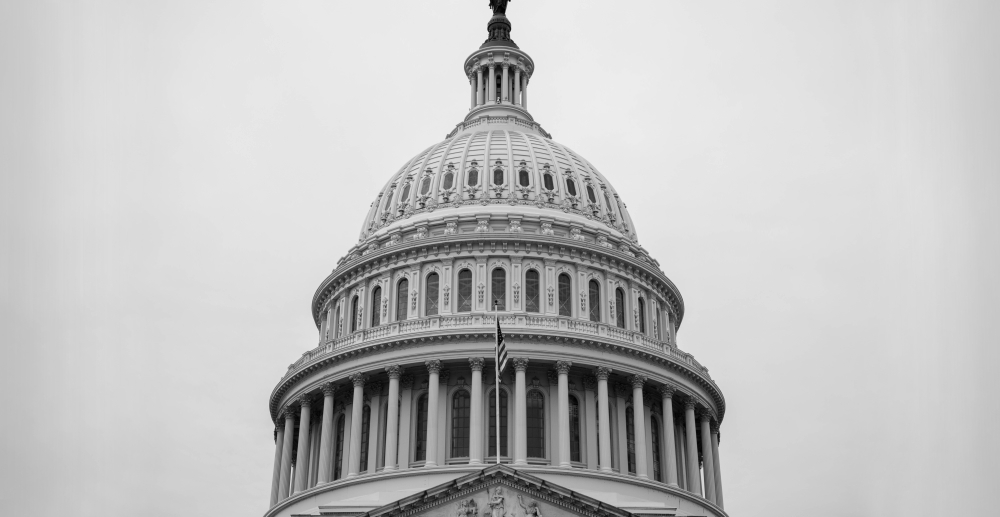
point(820, 179)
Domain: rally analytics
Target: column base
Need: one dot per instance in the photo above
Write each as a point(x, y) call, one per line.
point(607, 469)
point(565, 465)
point(521, 462)
point(430, 464)
point(388, 469)
point(475, 462)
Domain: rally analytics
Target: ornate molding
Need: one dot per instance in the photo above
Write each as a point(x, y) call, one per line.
point(637, 381)
point(602, 373)
point(329, 389)
point(520, 363)
point(477, 363)
point(358, 380)
point(563, 367)
point(433, 366)
point(394, 371)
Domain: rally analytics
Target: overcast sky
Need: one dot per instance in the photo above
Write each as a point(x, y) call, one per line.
point(820, 179)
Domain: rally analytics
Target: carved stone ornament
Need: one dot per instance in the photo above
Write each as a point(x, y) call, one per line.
point(667, 392)
point(563, 366)
point(602, 373)
point(413, 300)
point(477, 363)
point(433, 365)
point(329, 389)
point(483, 226)
point(583, 302)
point(394, 371)
point(690, 403)
point(305, 402)
point(552, 296)
point(517, 293)
point(706, 415)
point(447, 294)
point(394, 239)
point(635, 314)
point(520, 363)
point(482, 293)
point(515, 227)
point(467, 508)
point(421, 233)
point(637, 381)
point(451, 227)
point(547, 229)
point(576, 234)
point(358, 379)
point(385, 308)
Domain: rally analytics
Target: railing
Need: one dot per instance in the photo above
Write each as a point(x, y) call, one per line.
point(487, 322)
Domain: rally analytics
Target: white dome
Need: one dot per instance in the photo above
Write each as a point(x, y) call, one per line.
point(498, 170)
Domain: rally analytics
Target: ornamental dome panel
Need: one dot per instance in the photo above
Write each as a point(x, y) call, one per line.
point(502, 169)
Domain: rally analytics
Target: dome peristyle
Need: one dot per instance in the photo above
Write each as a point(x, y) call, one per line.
point(497, 170)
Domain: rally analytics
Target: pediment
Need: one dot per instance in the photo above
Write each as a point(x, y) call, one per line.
point(498, 491)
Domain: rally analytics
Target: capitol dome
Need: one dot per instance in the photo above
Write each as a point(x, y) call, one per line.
point(497, 170)
point(497, 241)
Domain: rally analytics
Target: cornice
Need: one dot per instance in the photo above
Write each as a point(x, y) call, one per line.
point(515, 336)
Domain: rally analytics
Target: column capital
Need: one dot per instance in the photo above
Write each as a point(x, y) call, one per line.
point(667, 391)
point(406, 382)
point(289, 413)
point(690, 403)
point(590, 383)
point(358, 379)
point(602, 373)
point(637, 381)
point(477, 363)
point(706, 415)
point(394, 371)
point(433, 365)
point(491, 65)
point(520, 363)
point(305, 402)
point(329, 389)
point(563, 367)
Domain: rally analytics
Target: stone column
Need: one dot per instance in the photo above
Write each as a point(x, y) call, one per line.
point(667, 393)
point(406, 400)
point(505, 83)
point(326, 435)
point(520, 412)
point(434, 368)
point(374, 416)
point(476, 422)
point(694, 476)
point(517, 86)
point(639, 423)
point(604, 415)
point(286, 454)
point(479, 86)
point(564, 454)
point(589, 418)
point(621, 393)
point(524, 93)
point(392, 418)
point(492, 86)
point(279, 443)
point(302, 457)
point(716, 464)
point(354, 460)
point(472, 88)
point(706, 453)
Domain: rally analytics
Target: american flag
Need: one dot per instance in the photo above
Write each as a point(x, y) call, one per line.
point(501, 350)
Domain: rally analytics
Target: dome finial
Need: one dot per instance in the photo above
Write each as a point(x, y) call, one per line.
point(499, 6)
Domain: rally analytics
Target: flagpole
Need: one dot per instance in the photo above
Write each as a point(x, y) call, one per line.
point(497, 390)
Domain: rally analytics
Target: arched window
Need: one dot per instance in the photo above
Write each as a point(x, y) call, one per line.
point(654, 431)
point(565, 295)
point(630, 433)
point(611, 210)
point(366, 419)
point(376, 306)
point(531, 291)
point(499, 286)
point(460, 413)
point(338, 457)
point(493, 424)
point(522, 178)
point(449, 179)
point(547, 181)
point(425, 185)
point(402, 293)
point(420, 450)
point(405, 196)
point(574, 429)
point(354, 314)
point(473, 176)
point(536, 424)
point(591, 195)
point(431, 295)
point(465, 291)
point(642, 315)
point(498, 176)
point(571, 187)
point(620, 308)
point(595, 301)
